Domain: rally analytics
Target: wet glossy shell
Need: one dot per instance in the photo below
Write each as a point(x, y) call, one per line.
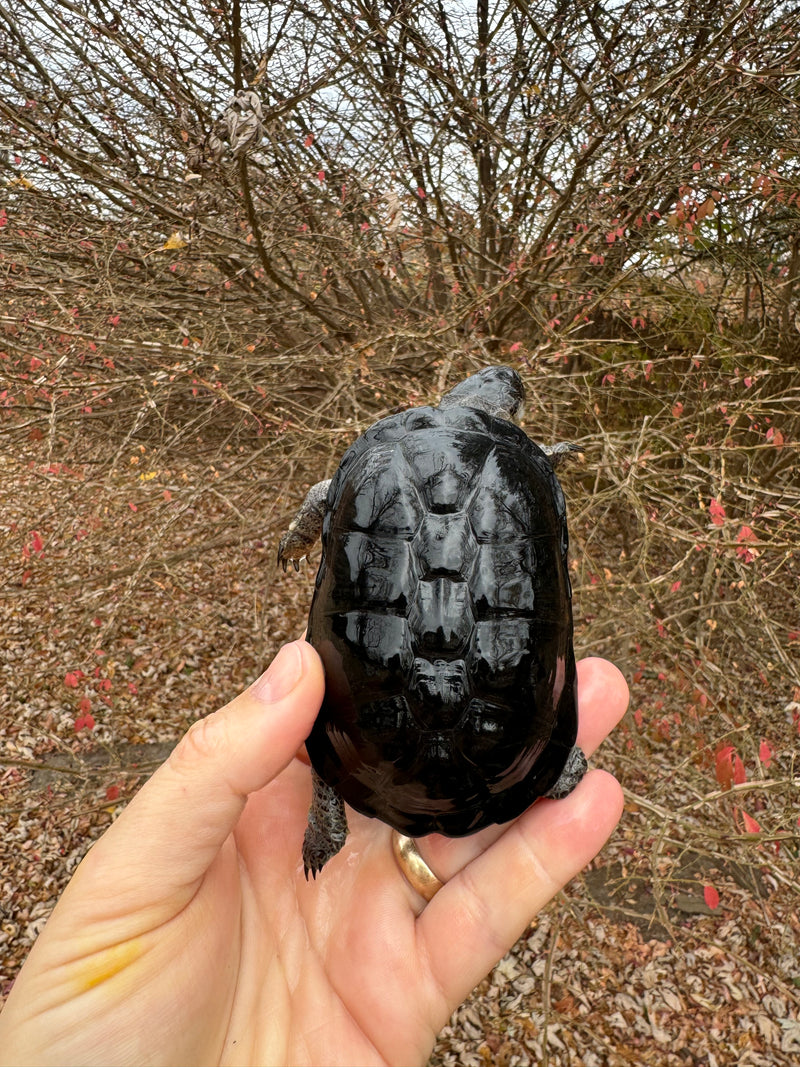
point(442, 613)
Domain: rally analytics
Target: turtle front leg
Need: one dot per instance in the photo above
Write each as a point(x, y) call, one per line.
point(305, 528)
point(557, 454)
point(574, 769)
point(327, 826)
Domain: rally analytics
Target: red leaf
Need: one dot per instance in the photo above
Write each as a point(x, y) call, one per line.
point(85, 706)
point(36, 542)
point(421, 193)
point(750, 824)
point(309, 140)
point(71, 680)
point(765, 753)
point(132, 506)
point(675, 587)
point(729, 768)
point(677, 410)
point(320, 176)
point(84, 722)
point(112, 792)
point(717, 512)
point(745, 537)
point(711, 897)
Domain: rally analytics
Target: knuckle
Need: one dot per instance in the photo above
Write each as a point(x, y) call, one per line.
point(205, 740)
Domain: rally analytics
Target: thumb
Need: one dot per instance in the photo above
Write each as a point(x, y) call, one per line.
point(174, 827)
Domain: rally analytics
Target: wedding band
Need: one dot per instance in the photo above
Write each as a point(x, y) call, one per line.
point(415, 870)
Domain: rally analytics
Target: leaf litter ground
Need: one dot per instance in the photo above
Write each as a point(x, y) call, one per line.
point(142, 598)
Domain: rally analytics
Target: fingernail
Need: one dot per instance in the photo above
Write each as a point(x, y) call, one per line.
point(281, 676)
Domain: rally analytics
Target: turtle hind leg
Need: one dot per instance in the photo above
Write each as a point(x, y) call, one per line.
point(574, 769)
point(305, 528)
point(327, 826)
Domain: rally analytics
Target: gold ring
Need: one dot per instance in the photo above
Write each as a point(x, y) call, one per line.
point(415, 870)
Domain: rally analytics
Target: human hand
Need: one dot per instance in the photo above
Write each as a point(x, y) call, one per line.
point(189, 934)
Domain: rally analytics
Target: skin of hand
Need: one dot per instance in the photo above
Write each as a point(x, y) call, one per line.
point(189, 934)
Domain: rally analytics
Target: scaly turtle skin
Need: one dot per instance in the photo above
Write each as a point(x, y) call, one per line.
point(442, 613)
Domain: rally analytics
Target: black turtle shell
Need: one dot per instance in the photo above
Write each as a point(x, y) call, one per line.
point(443, 616)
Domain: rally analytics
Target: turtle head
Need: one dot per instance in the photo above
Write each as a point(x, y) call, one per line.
point(496, 390)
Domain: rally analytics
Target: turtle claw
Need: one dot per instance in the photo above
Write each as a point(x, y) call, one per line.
point(285, 556)
point(282, 558)
point(313, 870)
point(291, 550)
point(295, 561)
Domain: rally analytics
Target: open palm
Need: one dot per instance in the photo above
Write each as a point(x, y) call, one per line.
point(190, 935)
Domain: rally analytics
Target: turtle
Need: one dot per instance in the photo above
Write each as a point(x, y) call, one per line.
point(442, 615)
